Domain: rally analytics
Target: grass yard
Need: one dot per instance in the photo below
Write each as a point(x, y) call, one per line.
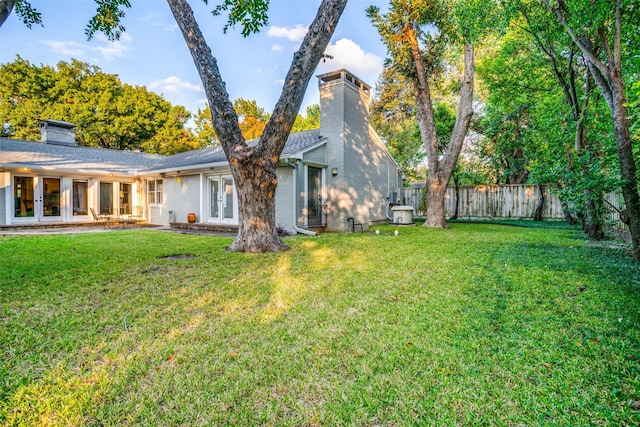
point(480, 325)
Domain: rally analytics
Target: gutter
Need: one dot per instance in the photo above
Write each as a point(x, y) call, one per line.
point(295, 181)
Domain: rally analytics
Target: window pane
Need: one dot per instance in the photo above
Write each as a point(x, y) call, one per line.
point(125, 199)
point(23, 196)
point(51, 197)
point(80, 192)
point(106, 198)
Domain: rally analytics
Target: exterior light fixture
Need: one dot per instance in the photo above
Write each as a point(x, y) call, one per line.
point(334, 171)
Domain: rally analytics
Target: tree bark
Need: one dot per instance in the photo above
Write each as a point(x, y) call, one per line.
point(6, 6)
point(440, 168)
point(254, 167)
point(537, 215)
point(456, 209)
point(608, 77)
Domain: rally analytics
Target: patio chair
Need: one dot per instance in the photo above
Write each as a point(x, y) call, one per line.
point(133, 217)
point(100, 219)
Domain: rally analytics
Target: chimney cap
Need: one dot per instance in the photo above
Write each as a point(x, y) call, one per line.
point(344, 75)
point(58, 123)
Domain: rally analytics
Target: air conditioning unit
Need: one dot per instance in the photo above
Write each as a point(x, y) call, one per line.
point(402, 215)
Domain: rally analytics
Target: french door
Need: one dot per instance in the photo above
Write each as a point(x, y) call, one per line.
point(223, 200)
point(37, 199)
point(315, 207)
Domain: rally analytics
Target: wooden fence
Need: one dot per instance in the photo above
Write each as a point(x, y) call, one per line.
point(505, 202)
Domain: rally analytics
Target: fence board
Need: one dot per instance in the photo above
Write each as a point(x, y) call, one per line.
point(506, 202)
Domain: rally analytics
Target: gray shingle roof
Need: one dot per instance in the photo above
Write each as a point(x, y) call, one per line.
point(16, 153)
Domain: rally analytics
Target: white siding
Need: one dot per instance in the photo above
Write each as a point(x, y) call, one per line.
point(317, 156)
point(366, 172)
point(4, 197)
point(181, 196)
point(285, 215)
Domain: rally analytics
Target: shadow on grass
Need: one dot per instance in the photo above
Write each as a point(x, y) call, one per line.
point(432, 327)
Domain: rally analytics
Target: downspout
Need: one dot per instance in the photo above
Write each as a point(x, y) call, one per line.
point(295, 206)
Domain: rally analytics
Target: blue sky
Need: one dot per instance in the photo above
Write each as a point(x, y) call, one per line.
point(152, 52)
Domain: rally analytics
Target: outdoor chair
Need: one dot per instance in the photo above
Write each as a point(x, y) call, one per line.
point(100, 219)
point(133, 217)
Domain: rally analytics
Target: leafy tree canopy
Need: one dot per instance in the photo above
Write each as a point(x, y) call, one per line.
point(108, 113)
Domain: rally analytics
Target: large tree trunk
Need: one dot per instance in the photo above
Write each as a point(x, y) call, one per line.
point(436, 191)
point(608, 76)
point(254, 167)
point(440, 167)
point(627, 165)
point(256, 231)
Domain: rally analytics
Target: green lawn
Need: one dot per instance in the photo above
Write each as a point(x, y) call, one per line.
point(475, 325)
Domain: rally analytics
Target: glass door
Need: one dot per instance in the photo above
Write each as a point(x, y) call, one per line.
point(214, 200)
point(24, 198)
point(222, 200)
point(314, 197)
point(51, 199)
point(124, 196)
point(37, 199)
point(228, 205)
point(106, 198)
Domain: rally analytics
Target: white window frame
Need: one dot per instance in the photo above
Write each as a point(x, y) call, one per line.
point(158, 196)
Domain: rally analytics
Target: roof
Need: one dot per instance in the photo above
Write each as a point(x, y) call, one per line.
point(37, 155)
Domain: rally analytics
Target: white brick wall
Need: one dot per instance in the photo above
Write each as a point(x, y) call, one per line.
point(366, 173)
point(3, 199)
point(285, 216)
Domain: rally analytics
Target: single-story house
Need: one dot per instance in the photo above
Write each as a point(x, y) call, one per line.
point(325, 176)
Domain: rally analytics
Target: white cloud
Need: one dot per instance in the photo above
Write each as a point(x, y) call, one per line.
point(175, 85)
point(294, 34)
point(347, 54)
point(116, 49)
point(276, 47)
point(100, 45)
point(66, 48)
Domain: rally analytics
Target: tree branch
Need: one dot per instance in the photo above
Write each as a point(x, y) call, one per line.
point(224, 117)
point(304, 63)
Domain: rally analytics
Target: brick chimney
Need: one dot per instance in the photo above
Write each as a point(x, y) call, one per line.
point(58, 132)
point(344, 121)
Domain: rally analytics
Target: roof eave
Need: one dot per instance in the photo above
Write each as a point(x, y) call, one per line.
point(29, 167)
point(185, 168)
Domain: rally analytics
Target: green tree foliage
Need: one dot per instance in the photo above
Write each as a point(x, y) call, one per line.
point(252, 120)
point(204, 131)
point(393, 117)
point(108, 114)
point(309, 121)
point(107, 20)
point(605, 32)
point(543, 117)
point(418, 35)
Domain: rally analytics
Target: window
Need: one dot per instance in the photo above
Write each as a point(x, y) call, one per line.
point(125, 198)
point(106, 198)
point(24, 196)
point(154, 192)
point(80, 192)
